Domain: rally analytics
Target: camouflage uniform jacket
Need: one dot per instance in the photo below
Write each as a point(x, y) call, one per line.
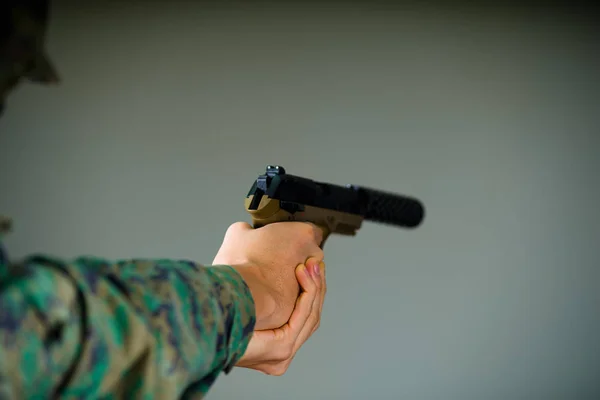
point(131, 329)
point(98, 329)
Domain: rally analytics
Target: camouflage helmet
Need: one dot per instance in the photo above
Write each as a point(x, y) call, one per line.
point(23, 25)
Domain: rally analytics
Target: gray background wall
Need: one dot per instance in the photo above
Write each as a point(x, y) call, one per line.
point(489, 115)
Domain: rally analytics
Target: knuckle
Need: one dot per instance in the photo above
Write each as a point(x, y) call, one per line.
point(269, 369)
point(315, 321)
point(308, 232)
point(318, 284)
point(278, 369)
point(317, 326)
point(285, 352)
point(235, 227)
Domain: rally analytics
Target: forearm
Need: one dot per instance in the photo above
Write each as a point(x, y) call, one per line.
point(151, 327)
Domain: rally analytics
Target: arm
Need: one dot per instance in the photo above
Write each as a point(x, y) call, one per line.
point(137, 329)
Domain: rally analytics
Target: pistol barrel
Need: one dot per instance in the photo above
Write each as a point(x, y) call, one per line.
point(390, 208)
point(295, 193)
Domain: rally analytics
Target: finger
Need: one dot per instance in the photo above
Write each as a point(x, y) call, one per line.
point(312, 320)
point(257, 348)
point(233, 231)
point(322, 284)
point(305, 301)
point(323, 293)
point(315, 269)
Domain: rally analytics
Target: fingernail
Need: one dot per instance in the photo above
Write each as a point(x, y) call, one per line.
point(307, 271)
point(316, 269)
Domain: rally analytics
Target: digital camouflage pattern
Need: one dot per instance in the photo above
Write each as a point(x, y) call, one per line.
point(132, 329)
point(92, 328)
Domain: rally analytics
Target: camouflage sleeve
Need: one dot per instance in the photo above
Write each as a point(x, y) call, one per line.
point(137, 329)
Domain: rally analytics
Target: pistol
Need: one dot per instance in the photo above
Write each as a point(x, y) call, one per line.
point(278, 196)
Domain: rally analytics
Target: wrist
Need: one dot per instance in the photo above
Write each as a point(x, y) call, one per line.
point(264, 302)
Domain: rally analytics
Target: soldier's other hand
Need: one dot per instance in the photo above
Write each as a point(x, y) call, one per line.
point(272, 351)
point(266, 259)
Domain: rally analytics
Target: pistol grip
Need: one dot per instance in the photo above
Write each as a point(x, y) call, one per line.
point(326, 232)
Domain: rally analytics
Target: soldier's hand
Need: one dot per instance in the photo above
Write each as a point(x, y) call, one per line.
point(266, 258)
point(272, 351)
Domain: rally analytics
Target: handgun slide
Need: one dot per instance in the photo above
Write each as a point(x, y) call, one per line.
point(277, 196)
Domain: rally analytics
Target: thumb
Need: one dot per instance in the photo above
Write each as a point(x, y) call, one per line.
point(237, 228)
point(231, 237)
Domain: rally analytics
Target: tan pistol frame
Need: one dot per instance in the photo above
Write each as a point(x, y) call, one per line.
point(330, 221)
